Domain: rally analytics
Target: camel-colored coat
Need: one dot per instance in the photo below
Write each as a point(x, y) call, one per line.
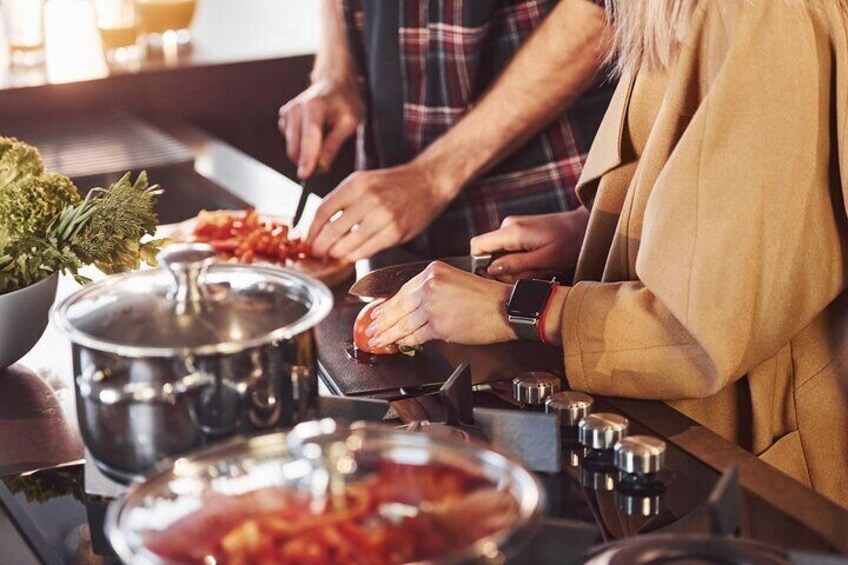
point(713, 274)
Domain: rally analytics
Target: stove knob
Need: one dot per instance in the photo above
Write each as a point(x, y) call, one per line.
point(639, 455)
point(601, 431)
point(534, 388)
point(569, 406)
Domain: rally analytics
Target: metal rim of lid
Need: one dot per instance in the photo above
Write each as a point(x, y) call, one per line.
point(639, 455)
point(602, 430)
point(570, 406)
point(535, 387)
point(320, 309)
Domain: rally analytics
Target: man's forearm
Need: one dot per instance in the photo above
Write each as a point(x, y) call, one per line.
point(549, 72)
point(333, 61)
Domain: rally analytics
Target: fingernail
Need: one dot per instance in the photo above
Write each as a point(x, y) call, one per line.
point(375, 313)
point(375, 343)
point(371, 330)
point(496, 269)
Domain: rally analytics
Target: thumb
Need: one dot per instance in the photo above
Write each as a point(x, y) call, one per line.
point(312, 138)
point(503, 239)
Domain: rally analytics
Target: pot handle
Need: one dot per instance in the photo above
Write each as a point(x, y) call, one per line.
point(187, 263)
point(93, 387)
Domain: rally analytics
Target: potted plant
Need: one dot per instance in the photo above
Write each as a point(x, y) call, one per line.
point(48, 228)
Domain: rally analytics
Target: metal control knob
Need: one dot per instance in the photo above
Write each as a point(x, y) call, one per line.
point(639, 455)
point(534, 388)
point(601, 431)
point(569, 406)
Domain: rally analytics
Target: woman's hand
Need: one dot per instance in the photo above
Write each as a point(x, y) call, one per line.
point(541, 245)
point(447, 304)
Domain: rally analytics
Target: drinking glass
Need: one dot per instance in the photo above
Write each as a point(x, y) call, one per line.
point(165, 22)
point(24, 20)
point(118, 27)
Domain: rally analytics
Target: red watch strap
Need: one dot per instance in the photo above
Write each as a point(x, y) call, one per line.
point(541, 327)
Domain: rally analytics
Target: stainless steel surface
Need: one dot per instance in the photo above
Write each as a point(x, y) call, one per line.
point(569, 406)
point(640, 455)
point(385, 282)
point(600, 480)
point(237, 307)
point(294, 460)
point(534, 388)
point(644, 504)
point(23, 318)
point(169, 360)
point(602, 430)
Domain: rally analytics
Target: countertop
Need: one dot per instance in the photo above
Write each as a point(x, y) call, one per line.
point(38, 425)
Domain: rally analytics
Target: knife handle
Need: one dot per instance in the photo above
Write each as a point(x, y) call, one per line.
point(479, 263)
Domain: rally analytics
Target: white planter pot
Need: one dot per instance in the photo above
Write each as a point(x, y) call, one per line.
point(23, 318)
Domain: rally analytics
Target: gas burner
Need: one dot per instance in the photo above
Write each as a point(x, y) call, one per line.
point(691, 549)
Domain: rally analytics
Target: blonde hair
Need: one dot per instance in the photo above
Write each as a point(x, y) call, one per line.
point(648, 32)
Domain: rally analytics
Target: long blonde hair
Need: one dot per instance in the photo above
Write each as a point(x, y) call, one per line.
point(648, 32)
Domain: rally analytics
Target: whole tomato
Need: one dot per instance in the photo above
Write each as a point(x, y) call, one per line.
point(360, 339)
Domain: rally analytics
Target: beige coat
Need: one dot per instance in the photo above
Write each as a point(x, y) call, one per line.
point(713, 274)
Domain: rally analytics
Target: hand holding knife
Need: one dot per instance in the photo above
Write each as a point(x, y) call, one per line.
point(386, 282)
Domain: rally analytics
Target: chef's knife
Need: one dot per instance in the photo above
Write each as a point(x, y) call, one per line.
point(301, 203)
point(386, 282)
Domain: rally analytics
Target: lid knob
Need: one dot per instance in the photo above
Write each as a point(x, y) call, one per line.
point(534, 388)
point(187, 262)
point(602, 430)
point(569, 406)
point(640, 455)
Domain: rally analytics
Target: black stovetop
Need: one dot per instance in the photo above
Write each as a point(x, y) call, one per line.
point(588, 504)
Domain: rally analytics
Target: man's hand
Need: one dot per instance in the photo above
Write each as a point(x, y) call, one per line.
point(447, 304)
point(373, 210)
point(541, 245)
point(317, 122)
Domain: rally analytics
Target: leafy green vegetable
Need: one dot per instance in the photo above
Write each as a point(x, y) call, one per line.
point(18, 160)
point(46, 227)
point(107, 226)
point(410, 350)
point(31, 204)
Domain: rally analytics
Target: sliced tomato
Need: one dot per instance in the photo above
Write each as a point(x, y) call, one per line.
point(224, 245)
point(360, 338)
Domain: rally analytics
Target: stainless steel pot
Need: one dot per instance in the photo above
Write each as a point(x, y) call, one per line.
point(167, 360)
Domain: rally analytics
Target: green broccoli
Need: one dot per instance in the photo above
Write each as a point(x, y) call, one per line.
point(31, 204)
point(18, 160)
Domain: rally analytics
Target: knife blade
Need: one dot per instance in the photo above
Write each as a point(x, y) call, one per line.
point(301, 203)
point(387, 281)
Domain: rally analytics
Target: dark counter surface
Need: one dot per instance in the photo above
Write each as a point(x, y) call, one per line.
point(38, 425)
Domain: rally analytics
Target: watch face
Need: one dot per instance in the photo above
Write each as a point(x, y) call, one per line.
point(529, 298)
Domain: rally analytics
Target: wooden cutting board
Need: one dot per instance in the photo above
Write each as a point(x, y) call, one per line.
point(331, 273)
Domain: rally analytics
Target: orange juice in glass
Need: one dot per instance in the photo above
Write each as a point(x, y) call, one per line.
point(24, 21)
point(118, 27)
point(165, 20)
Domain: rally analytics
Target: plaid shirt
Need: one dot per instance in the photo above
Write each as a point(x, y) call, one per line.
point(446, 54)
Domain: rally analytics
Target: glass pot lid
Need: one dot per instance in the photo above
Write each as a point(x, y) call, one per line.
point(193, 305)
point(364, 493)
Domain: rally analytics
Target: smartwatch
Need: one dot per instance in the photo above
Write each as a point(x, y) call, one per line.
point(526, 306)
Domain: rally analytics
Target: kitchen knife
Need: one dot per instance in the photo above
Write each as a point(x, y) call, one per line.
point(301, 204)
point(386, 282)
